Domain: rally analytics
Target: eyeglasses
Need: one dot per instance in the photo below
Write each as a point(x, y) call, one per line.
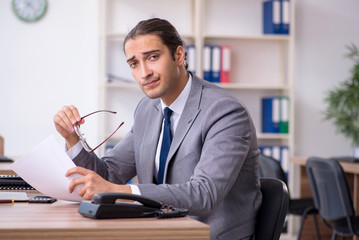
point(82, 136)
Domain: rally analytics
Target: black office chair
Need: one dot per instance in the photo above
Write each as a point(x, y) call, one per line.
point(274, 208)
point(332, 196)
point(270, 167)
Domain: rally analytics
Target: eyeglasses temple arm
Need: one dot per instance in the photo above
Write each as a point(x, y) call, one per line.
point(108, 111)
point(107, 138)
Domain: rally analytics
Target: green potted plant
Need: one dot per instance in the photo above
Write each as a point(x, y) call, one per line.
point(343, 103)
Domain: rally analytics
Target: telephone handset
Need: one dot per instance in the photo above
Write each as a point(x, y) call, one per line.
point(104, 205)
point(112, 197)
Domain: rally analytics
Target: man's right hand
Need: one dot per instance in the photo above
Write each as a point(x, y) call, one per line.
point(64, 121)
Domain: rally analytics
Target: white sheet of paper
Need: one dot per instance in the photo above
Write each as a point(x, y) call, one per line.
point(44, 168)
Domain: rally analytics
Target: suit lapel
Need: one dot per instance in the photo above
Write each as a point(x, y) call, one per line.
point(149, 143)
point(188, 116)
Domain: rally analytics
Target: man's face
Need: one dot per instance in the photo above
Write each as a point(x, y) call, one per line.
point(153, 66)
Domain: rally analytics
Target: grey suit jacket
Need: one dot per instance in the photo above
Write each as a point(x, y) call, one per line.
point(212, 166)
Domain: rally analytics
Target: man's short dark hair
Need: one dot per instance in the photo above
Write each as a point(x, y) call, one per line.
point(160, 28)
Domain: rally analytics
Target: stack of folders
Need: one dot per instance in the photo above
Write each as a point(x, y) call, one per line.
point(276, 17)
point(275, 114)
point(216, 62)
point(280, 153)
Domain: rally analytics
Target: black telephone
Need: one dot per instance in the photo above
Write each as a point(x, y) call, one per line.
point(104, 205)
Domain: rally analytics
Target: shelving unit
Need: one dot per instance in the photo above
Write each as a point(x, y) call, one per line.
point(261, 65)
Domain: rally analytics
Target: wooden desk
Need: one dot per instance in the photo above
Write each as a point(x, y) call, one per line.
point(60, 220)
point(352, 172)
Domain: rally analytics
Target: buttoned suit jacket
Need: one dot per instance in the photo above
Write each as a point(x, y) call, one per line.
point(212, 165)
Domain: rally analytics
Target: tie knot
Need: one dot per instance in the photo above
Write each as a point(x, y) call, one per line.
point(167, 113)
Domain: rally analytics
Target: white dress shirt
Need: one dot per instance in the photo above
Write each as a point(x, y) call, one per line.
point(177, 107)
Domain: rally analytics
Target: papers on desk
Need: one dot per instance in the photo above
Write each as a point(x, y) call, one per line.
point(44, 168)
point(16, 196)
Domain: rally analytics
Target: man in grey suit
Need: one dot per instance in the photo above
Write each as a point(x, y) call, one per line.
point(211, 165)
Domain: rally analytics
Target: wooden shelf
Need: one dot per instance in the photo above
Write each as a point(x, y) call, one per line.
point(262, 65)
point(263, 37)
point(273, 136)
point(252, 86)
point(121, 85)
point(237, 86)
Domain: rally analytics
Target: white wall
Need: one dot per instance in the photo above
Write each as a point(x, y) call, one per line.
point(323, 28)
point(43, 66)
point(48, 64)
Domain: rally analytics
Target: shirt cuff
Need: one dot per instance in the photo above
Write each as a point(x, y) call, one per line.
point(135, 189)
point(75, 150)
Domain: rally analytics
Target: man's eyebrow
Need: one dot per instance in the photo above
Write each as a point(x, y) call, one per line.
point(144, 53)
point(151, 51)
point(130, 59)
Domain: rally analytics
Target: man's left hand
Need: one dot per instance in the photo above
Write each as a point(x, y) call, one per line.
point(93, 183)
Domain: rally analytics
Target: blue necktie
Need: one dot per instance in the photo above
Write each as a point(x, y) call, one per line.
point(166, 143)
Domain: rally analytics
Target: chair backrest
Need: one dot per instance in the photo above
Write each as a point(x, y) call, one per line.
point(270, 168)
point(274, 208)
point(330, 188)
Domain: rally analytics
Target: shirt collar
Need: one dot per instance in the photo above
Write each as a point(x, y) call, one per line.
point(178, 105)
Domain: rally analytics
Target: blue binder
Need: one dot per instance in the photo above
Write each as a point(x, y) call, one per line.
point(284, 160)
point(270, 115)
point(285, 16)
point(216, 63)
point(207, 59)
point(272, 17)
point(266, 150)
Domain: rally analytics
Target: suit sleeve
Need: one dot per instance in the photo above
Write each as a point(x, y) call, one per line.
point(117, 166)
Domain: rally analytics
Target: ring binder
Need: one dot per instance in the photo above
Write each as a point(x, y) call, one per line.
point(14, 182)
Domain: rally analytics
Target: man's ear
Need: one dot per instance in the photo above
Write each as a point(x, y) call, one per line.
point(180, 55)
